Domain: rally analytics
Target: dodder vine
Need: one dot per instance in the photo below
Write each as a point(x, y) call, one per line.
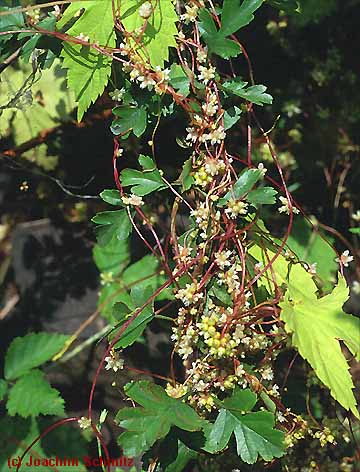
point(237, 296)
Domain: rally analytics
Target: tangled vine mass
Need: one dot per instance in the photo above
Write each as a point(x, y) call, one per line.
point(234, 296)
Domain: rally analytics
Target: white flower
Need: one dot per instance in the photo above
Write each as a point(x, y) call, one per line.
point(345, 258)
point(216, 136)
point(146, 82)
point(236, 208)
point(192, 134)
point(262, 169)
point(133, 200)
point(164, 75)
point(114, 362)
point(285, 208)
point(117, 95)
point(222, 259)
point(124, 49)
point(274, 391)
point(146, 10)
point(206, 73)
point(356, 216)
point(84, 422)
point(188, 294)
point(356, 287)
point(56, 11)
point(106, 278)
point(267, 374)
point(119, 152)
point(201, 55)
point(312, 268)
point(134, 74)
point(83, 37)
point(190, 14)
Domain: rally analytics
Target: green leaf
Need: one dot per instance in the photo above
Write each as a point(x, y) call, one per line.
point(153, 420)
point(255, 94)
point(48, 23)
point(231, 117)
point(121, 312)
point(183, 457)
point(179, 80)
point(262, 196)
point(254, 432)
point(216, 40)
point(11, 21)
point(235, 16)
point(160, 32)
point(143, 183)
point(3, 389)
point(31, 351)
point(247, 179)
point(112, 197)
point(185, 178)
point(355, 230)
point(32, 395)
point(112, 224)
point(88, 73)
point(88, 70)
point(309, 245)
point(130, 119)
point(113, 256)
point(317, 325)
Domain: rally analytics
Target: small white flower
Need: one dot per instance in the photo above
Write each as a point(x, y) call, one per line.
point(216, 136)
point(236, 208)
point(146, 82)
point(133, 200)
point(146, 10)
point(119, 152)
point(117, 95)
point(124, 49)
point(56, 11)
point(206, 73)
point(285, 208)
point(262, 169)
point(267, 374)
point(223, 259)
point(312, 268)
point(84, 422)
point(114, 362)
point(83, 37)
point(134, 74)
point(191, 13)
point(106, 278)
point(192, 134)
point(164, 75)
point(345, 258)
point(356, 216)
point(201, 55)
point(356, 287)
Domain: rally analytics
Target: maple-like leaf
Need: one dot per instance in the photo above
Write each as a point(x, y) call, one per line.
point(317, 325)
point(88, 70)
point(254, 431)
point(153, 420)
